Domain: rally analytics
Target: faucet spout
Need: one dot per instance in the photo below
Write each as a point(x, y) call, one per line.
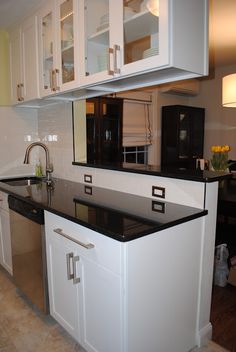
point(48, 165)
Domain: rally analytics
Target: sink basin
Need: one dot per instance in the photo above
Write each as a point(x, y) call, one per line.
point(22, 181)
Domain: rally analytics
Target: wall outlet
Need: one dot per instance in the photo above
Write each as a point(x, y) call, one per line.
point(88, 178)
point(159, 192)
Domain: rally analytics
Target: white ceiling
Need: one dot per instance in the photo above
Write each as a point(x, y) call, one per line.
point(13, 10)
point(222, 25)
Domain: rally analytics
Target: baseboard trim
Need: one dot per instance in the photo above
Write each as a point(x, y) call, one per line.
point(204, 335)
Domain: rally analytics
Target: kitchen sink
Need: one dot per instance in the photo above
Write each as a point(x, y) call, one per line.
point(22, 181)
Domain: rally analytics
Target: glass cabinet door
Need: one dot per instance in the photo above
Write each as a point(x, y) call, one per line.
point(91, 131)
point(141, 29)
point(184, 135)
point(67, 41)
point(97, 36)
point(47, 50)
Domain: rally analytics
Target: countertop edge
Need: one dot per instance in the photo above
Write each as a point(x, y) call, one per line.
point(7, 189)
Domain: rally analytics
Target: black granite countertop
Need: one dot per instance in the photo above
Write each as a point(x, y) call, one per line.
point(119, 215)
point(183, 174)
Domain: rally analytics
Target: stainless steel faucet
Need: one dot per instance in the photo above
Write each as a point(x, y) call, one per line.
point(49, 168)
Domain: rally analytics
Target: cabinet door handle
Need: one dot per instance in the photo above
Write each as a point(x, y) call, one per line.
point(85, 245)
point(109, 52)
point(76, 280)
point(21, 95)
point(18, 92)
point(69, 256)
point(51, 78)
point(116, 48)
point(56, 75)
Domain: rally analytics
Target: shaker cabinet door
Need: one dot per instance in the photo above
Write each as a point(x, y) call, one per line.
point(24, 72)
point(63, 292)
point(101, 306)
point(15, 64)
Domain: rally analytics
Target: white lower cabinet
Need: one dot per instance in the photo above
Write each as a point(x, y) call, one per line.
point(84, 284)
point(5, 234)
point(141, 295)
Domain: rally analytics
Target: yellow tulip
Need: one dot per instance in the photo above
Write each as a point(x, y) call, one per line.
point(227, 148)
point(223, 149)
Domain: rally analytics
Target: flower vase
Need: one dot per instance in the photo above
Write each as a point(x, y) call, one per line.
point(221, 184)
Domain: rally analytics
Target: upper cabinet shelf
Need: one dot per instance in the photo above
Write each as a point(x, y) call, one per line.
point(139, 24)
point(100, 37)
point(135, 26)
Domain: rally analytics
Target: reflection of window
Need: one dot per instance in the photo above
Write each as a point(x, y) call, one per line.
point(136, 155)
point(137, 129)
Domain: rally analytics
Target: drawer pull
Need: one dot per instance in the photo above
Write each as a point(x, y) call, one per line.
point(85, 245)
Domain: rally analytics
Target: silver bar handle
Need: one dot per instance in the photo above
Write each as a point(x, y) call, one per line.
point(69, 256)
point(21, 95)
point(18, 92)
point(56, 75)
point(85, 245)
point(76, 280)
point(53, 81)
point(109, 52)
point(51, 78)
point(116, 48)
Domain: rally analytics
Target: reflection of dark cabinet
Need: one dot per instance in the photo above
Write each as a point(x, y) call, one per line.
point(104, 130)
point(182, 136)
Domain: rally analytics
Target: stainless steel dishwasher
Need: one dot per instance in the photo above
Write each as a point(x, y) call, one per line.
point(28, 251)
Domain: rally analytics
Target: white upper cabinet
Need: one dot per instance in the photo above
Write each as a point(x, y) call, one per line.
point(58, 46)
point(93, 46)
point(124, 38)
point(46, 48)
point(95, 36)
point(23, 45)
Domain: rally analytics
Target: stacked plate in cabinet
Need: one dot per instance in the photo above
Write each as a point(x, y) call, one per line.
point(102, 62)
point(150, 52)
point(128, 13)
point(104, 22)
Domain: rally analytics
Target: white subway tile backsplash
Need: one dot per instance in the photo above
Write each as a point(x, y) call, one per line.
point(19, 127)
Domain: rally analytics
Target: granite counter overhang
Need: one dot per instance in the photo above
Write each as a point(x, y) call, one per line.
point(121, 216)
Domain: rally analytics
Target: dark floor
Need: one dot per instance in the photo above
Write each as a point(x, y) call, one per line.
point(223, 316)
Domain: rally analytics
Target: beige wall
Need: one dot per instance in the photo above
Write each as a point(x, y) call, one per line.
point(220, 123)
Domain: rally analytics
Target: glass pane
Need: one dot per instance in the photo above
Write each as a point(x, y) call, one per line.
point(47, 49)
point(183, 135)
point(97, 35)
point(141, 29)
point(91, 129)
point(67, 41)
